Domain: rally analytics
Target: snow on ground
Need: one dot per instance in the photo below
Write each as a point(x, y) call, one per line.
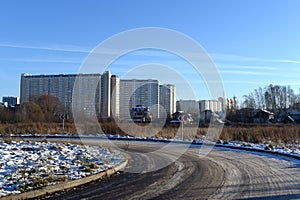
point(31, 165)
point(238, 144)
point(261, 146)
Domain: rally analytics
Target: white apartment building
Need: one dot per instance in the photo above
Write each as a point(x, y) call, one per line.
point(85, 94)
point(167, 100)
point(189, 106)
point(115, 97)
point(104, 95)
point(213, 105)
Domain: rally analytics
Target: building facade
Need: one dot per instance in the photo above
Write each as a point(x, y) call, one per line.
point(11, 101)
point(104, 95)
point(62, 87)
point(213, 105)
point(135, 92)
point(229, 104)
point(167, 100)
point(85, 95)
point(115, 97)
point(189, 106)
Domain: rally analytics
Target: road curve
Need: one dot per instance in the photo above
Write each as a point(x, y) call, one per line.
point(222, 174)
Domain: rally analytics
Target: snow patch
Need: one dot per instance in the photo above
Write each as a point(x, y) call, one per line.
point(32, 165)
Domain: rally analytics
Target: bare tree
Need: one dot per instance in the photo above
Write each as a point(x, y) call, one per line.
point(51, 106)
point(249, 101)
point(30, 112)
point(259, 98)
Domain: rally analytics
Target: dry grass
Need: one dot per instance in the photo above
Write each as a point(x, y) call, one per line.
point(42, 128)
point(287, 135)
point(284, 134)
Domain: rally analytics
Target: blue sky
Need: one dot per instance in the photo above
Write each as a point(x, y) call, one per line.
point(253, 43)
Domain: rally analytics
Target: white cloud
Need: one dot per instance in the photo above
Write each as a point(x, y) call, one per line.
point(65, 48)
point(238, 58)
point(44, 60)
point(248, 67)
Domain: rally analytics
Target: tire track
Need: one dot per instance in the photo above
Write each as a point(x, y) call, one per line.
point(222, 174)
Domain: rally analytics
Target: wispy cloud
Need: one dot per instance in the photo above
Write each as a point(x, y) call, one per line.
point(217, 57)
point(247, 67)
point(259, 73)
point(286, 61)
point(239, 58)
point(243, 72)
point(64, 48)
point(43, 60)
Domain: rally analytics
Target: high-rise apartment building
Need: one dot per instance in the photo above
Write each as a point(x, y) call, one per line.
point(85, 95)
point(167, 100)
point(135, 92)
point(189, 106)
point(228, 104)
point(115, 97)
point(213, 105)
point(105, 97)
point(61, 86)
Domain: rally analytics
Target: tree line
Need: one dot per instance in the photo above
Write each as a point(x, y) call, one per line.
point(271, 97)
point(44, 108)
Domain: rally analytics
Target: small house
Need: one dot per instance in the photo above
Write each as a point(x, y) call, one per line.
point(181, 116)
point(295, 114)
point(263, 116)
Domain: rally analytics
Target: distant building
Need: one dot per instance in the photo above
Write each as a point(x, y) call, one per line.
point(115, 97)
point(246, 115)
point(295, 114)
point(11, 101)
point(167, 100)
point(60, 86)
point(140, 114)
point(189, 106)
point(263, 116)
point(105, 95)
point(93, 91)
point(138, 92)
point(296, 106)
point(3, 105)
point(182, 117)
point(83, 96)
point(228, 104)
point(213, 105)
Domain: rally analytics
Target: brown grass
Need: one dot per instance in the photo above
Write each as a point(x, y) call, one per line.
point(34, 128)
point(284, 134)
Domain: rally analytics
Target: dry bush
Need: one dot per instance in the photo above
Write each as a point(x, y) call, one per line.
point(278, 134)
point(283, 134)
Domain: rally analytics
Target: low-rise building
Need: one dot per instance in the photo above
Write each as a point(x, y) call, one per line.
point(11, 101)
point(182, 117)
point(263, 116)
point(140, 114)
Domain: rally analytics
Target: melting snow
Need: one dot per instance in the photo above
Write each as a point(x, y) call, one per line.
point(31, 165)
